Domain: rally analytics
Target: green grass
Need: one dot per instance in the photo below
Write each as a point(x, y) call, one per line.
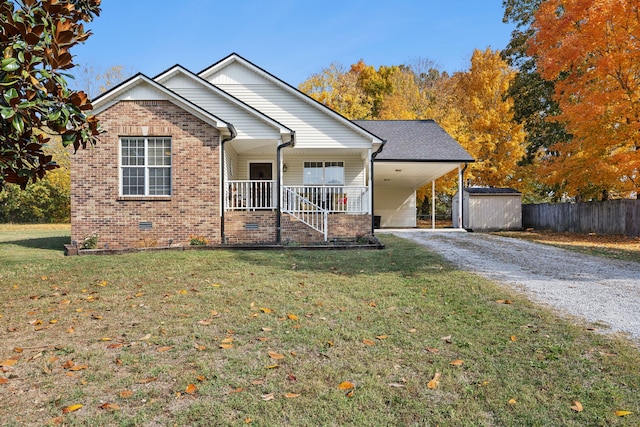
point(115, 314)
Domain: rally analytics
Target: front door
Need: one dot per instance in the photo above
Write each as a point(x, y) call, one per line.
point(261, 191)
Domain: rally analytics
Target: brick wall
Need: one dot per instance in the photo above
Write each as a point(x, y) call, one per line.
point(193, 207)
point(241, 227)
point(341, 226)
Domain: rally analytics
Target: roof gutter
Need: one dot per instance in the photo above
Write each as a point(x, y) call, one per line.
point(232, 135)
point(373, 158)
point(291, 143)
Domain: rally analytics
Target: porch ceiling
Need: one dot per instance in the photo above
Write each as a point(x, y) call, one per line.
point(410, 174)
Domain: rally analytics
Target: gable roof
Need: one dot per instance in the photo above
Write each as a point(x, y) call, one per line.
point(235, 58)
point(178, 69)
point(415, 141)
point(157, 92)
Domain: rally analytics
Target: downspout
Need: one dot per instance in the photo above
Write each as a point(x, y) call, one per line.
point(290, 143)
point(373, 158)
point(232, 135)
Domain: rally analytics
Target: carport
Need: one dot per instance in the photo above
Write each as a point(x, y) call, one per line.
point(417, 152)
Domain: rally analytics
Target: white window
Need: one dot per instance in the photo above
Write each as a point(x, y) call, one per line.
point(323, 173)
point(145, 166)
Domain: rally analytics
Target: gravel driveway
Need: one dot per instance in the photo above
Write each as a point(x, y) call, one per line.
point(594, 288)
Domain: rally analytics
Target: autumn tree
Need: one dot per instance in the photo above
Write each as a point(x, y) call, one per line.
point(485, 125)
point(339, 90)
point(591, 50)
point(36, 101)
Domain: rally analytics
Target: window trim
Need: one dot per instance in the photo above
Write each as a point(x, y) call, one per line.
point(146, 168)
point(324, 176)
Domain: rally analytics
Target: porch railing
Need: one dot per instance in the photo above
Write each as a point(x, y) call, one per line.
point(335, 199)
point(305, 210)
point(250, 195)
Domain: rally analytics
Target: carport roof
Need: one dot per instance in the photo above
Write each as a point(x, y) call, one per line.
point(415, 141)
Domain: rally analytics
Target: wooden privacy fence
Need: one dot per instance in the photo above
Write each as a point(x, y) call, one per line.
point(609, 217)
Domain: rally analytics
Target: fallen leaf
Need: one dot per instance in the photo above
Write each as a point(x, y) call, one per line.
point(191, 388)
point(71, 408)
point(512, 402)
point(446, 339)
point(346, 385)
point(396, 385)
point(115, 345)
point(147, 380)
point(265, 310)
point(78, 367)
point(457, 362)
point(200, 347)
point(292, 395)
point(513, 338)
point(165, 348)
point(381, 337)
point(53, 321)
point(276, 356)
point(372, 304)
point(623, 413)
point(368, 342)
point(109, 406)
point(434, 382)
point(432, 350)
point(226, 346)
point(276, 366)
point(268, 397)
point(257, 382)
point(413, 330)
point(228, 340)
point(201, 378)
point(293, 317)
point(9, 362)
point(291, 377)
point(125, 394)
point(68, 364)
point(267, 329)
point(577, 406)
point(330, 343)
point(204, 322)
point(3, 380)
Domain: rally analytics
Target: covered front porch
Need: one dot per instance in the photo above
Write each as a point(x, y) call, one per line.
point(310, 188)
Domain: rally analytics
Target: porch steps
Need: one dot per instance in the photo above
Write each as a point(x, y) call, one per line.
point(307, 212)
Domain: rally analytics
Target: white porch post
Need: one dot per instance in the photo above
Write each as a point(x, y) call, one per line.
point(460, 198)
point(433, 204)
point(369, 183)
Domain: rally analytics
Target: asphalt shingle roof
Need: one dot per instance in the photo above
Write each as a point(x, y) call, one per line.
point(415, 141)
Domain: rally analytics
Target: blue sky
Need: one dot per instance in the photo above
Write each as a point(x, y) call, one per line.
point(289, 38)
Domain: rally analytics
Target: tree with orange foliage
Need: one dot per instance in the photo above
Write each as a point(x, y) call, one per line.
point(483, 123)
point(591, 49)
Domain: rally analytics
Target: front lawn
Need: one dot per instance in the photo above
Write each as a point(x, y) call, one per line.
point(305, 338)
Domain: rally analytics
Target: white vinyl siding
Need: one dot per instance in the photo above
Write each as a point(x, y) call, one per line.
point(314, 127)
point(248, 125)
point(396, 206)
point(145, 166)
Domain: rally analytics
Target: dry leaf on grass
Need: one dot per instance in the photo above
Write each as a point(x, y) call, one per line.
point(623, 413)
point(381, 337)
point(368, 342)
point(226, 346)
point(512, 402)
point(268, 397)
point(292, 395)
point(110, 406)
point(276, 356)
point(3, 380)
point(78, 367)
point(125, 394)
point(293, 317)
point(346, 385)
point(577, 406)
point(165, 348)
point(434, 382)
point(265, 310)
point(71, 408)
point(191, 388)
point(457, 362)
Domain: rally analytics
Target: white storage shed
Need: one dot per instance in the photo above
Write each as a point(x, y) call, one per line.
point(489, 209)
